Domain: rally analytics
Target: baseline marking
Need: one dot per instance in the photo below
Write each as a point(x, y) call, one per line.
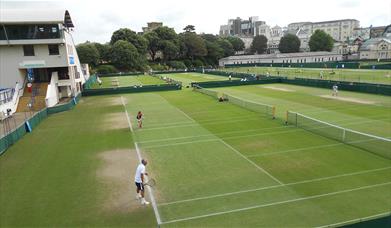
point(151, 195)
point(275, 203)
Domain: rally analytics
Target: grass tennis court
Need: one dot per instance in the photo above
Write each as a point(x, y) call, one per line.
point(187, 78)
point(362, 112)
point(131, 80)
point(354, 75)
point(216, 164)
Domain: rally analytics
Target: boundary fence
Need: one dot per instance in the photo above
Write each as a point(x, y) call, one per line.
point(30, 124)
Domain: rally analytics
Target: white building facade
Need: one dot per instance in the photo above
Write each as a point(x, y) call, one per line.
point(37, 47)
point(305, 57)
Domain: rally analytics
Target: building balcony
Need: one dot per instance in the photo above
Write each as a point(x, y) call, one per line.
point(32, 41)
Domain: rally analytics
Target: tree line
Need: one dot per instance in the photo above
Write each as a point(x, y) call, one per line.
point(163, 48)
point(159, 49)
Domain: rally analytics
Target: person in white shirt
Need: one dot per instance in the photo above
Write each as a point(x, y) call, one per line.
point(335, 90)
point(139, 180)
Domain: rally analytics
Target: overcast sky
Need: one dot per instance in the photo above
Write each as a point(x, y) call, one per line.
point(95, 20)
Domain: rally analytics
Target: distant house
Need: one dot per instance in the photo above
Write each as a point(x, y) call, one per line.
point(376, 48)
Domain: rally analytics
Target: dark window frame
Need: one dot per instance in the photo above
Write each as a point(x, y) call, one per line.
point(54, 49)
point(28, 50)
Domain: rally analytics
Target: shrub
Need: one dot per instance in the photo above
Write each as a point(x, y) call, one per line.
point(106, 69)
point(177, 65)
point(188, 63)
point(198, 63)
point(158, 67)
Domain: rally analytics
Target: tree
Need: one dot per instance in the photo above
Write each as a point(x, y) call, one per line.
point(169, 49)
point(289, 43)
point(153, 44)
point(237, 43)
point(195, 45)
point(125, 55)
point(88, 53)
point(209, 37)
point(226, 46)
point(215, 52)
point(189, 28)
point(321, 41)
point(128, 35)
point(104, 52)
point(166, 33)
point(259, 44)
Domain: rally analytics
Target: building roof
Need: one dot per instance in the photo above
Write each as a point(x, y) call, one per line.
point(372, 43)
point(12, 16)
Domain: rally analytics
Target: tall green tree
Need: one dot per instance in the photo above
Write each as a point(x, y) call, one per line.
point(215, 52)
point(236, 42)
point(125, 55)
point(226, 46)
point(88, 53)
point(195, 45)
point(169, 49)
point(130, 36)
point(189, 28)
point(104, 52)
point(153, 44)
point(289, 43)
point(321, 41)
point(259, 44)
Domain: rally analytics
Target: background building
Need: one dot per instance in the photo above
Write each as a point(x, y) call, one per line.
point(307, 57)
point(240, 27)
point(37, 48)
point(340, 30)
point(152, 26)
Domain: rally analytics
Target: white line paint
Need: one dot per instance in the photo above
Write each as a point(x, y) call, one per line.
point(357, 220)
point(151, 194)
point(276, 186)
point(275, 203)
point(251, 162)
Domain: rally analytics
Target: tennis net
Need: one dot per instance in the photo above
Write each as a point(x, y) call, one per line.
point(266, 109)
point(374, 144)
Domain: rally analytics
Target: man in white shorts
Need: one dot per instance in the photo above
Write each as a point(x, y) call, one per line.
point(335, 90)
point(139, 180)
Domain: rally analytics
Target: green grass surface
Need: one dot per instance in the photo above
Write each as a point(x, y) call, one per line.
point(132, 80)
point(364, 75)
point(373, 116)
point(187, 78)
point(216, 164)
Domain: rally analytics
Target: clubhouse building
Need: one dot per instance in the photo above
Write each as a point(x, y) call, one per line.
point(39, 65)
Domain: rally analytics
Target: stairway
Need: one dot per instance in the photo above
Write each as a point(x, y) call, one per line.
point(36, 98)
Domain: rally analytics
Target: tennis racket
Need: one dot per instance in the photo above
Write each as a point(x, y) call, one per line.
point(151, 182)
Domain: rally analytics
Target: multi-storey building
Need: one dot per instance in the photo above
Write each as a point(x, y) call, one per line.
point(37, 49)
point(240, 27)
point(152, 26)
point(340, 30)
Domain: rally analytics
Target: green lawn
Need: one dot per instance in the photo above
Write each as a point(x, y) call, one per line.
point(187, 78)
point(131, 80)
point(373, 116)
point(354, 75)
point(216, 164)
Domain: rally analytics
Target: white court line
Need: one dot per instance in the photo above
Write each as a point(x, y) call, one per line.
point(275, 203)
point(295, 150)
point(240, 154)
point(356, 220)
point(217, 139)
point(275, 186)
point(251, 162)
point(151, 195)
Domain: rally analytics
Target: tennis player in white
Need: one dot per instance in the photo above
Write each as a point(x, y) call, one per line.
point(335, 90)
point(139, 180)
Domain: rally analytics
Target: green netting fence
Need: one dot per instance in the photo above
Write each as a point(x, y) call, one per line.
point(31, 123)
point(131, 89)
point(90, 82)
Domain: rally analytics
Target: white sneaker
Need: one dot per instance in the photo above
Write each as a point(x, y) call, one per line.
point(144, 202)
point(138, 196)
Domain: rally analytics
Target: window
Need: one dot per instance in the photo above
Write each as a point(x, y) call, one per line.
point(25, 32)
point(28, 50)
point(53, 49)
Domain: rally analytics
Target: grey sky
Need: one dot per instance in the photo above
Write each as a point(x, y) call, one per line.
point(95, 20)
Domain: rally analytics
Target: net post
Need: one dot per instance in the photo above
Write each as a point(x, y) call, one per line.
point(296, 119)
point(343, 135)
point(286, 117)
